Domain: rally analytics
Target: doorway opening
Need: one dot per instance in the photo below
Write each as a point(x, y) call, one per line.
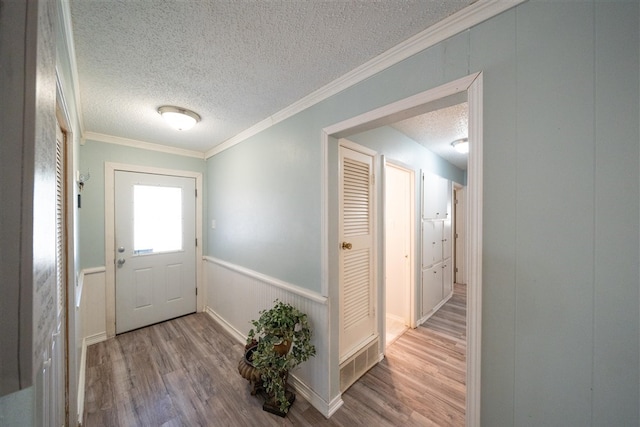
point(469, 87)
point(399, 238)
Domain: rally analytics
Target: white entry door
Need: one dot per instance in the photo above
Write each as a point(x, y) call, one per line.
point(155, 244)
point(357, 261)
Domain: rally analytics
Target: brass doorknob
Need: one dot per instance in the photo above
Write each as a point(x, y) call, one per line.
point(346, 245)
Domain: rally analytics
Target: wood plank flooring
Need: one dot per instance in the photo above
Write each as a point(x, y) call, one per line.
point(184, 373)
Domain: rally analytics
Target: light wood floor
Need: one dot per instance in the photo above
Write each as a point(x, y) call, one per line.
point(184, 373)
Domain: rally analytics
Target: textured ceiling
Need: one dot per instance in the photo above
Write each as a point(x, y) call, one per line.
point(233, 62)
point(437, 129)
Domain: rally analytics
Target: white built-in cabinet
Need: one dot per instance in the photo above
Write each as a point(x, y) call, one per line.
point(437, 250)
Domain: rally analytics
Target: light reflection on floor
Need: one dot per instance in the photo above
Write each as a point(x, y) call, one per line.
point(395, 329)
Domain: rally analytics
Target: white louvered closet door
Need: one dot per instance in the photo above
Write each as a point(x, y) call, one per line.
point(57, 391)
point(357, 262)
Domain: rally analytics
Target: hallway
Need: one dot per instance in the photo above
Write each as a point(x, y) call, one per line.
point(184, 372)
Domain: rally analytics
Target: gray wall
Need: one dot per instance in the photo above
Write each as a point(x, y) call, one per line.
point(561, 203)
point(93, 156)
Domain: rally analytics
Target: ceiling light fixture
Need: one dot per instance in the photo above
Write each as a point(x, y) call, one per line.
point(179, 118)
point(461, 145)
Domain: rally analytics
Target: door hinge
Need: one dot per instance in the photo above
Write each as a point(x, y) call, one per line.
point(196, 291)
point(196, 192)
point(196, 243)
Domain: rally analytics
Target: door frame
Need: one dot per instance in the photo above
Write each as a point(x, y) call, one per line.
point(473, 87)
point(459, 228)
point(70, 213)
point(412, 239)
point(375, 301)
point(109, 234)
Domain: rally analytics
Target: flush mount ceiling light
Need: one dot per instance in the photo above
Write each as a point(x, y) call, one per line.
point(179, 118)
point(461, 145)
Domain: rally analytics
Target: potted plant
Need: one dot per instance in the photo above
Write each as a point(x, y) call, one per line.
point(283, 340)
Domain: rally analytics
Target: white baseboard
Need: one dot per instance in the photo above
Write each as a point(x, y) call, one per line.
point(81, 379)
point(96, 338)
point(333, 406)
point(226, 326)
point(86, 342)
point(312, 397)
point(436, 308)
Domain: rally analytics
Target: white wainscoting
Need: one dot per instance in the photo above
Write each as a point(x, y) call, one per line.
point(92, 304)
point(235, 295)
point(92, 311)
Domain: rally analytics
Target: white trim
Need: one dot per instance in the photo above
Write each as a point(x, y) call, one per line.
point(109, 233)
point(386, 162)
point(472, 84)
point(368, 120)
point(335, 404)
point(134, 143)
point(474, 252)
point(297, 290)
point(468, 17)
point(236, 334)
point(434, 309)
point(82, 373)
point(93, 270)
point(67, 32)
point(360, 149)
point(81, 380)
point(311, 396)
point(80, 286)
point(95, 338)
point(324, 217)
point(245, 134)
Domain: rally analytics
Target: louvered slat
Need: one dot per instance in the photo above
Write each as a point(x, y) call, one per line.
point(60, 238)
point(356, 214)
point(356, 197)
point(356, 287)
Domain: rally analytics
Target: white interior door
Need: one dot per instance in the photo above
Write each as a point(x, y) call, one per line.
point(398, 219)
point(155, 245)
point(58, 386)
point(357, 261)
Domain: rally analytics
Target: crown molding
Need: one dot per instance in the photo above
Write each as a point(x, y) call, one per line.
point(463, 20)
point(134, 143)
point(67, 35)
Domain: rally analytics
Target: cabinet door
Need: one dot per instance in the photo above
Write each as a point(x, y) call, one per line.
point(447, 248)
point(436, 197)
point(446, 195)
point(431, 243)
point(431, 288)
point(430, 195)
point(447, 277)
